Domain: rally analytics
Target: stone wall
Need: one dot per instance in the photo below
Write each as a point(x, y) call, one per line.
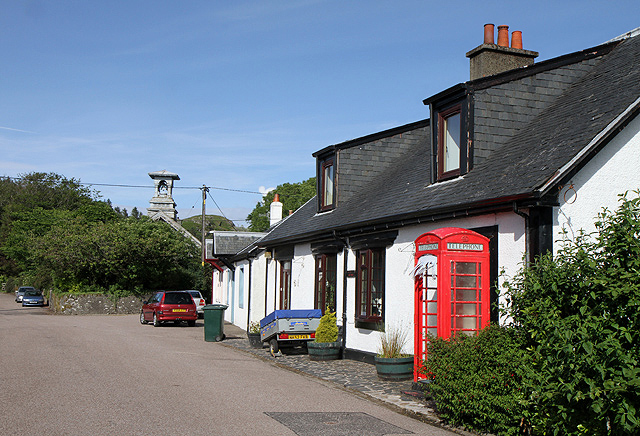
point(93, 304)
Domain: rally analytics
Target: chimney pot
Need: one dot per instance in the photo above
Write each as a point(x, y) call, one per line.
point(516, 39)
point(489, 31)
point(503, 36)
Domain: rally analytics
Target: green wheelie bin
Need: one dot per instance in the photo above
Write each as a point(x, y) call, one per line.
point(214, 322)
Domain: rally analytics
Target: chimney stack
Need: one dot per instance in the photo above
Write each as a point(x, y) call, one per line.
point(489, 58)
point(275, 211)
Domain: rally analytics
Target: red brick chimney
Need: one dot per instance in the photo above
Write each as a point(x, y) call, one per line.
point(489, 58)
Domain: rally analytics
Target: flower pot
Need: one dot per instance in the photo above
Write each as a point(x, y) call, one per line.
point(320, 351)
point(394, 368)
point(254, 340)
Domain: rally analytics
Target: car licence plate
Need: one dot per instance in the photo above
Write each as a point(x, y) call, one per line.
point(179, 310)
point(298, 336)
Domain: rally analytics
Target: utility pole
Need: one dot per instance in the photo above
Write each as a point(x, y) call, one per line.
point(204, 211)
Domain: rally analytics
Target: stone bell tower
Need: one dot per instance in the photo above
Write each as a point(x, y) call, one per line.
point(162, 202)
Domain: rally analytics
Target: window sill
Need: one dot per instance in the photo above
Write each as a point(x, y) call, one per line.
point(370, 324)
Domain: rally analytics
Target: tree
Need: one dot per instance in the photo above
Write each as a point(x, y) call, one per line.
point(125, 254)
point(56, 233)
point(212, 222)
point(292, 196)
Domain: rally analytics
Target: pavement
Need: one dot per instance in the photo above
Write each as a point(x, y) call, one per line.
point(360, 378)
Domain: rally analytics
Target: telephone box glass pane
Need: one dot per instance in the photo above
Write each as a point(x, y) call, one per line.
point(465, 309)
point(466, 295)
point(467, 323)
point(466, 267)
point(466, 282)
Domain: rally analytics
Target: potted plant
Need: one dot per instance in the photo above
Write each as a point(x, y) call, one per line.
point(254, 334)
point(326, 345)
point(391, 362)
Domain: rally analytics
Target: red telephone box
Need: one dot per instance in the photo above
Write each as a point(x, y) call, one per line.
point(451, 287)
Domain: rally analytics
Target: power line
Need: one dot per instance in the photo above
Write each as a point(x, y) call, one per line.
point(214, 201)
point(113, 185)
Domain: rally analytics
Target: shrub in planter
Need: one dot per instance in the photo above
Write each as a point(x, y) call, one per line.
point(254, 334)
point(391, 362)
point(326, 345)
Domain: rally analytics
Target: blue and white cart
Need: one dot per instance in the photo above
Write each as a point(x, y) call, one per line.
point(289, 328)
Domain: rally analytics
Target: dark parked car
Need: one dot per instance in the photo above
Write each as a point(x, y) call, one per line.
point(20, 292)
point(32, 297)
point(174, 306)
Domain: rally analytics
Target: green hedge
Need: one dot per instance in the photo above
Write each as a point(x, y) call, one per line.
point(580, 312)
point(477, 381)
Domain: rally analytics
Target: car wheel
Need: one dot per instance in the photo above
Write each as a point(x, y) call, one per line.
point(156, 322)
point(273, 347)
point(142, 320)
point(191, 322)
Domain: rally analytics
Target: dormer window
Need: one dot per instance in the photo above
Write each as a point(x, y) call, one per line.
point(449, 144)
point(452, 154)
point(326, 185)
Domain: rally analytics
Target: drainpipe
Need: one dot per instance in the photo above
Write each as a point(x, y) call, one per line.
point(526, 230)
point(345, 253)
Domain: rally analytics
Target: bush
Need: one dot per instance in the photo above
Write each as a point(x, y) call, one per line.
point(476, 381)
point(327, 330)
point(580, 314)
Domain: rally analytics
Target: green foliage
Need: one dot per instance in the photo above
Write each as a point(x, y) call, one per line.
point(55, 233)
point(580, 314)
point(392, 341)
point(127, 254)
point(327, 330)
point(292, 196)
point(211, 222)
point(254, 327)
point(476, 381)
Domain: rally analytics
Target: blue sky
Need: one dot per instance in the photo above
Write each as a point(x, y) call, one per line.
point(239, 94)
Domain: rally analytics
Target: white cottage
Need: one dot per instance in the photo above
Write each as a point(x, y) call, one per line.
point(515, 160)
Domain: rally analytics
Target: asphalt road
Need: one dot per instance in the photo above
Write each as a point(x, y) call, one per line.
point(109, 375)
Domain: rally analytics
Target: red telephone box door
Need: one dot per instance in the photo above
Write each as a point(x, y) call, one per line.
point(451, 287)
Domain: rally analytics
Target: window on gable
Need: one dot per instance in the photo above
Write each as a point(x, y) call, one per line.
point(451, 150)
point(327, 184)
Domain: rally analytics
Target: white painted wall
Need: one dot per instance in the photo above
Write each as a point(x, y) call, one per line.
point(399, 285)
point(612, 171)
point(302, 277)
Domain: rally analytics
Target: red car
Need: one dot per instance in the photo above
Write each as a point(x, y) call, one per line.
point(175, 306)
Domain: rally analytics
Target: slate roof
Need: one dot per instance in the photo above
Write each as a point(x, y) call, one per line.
point(227, 243)
point(535, 126)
